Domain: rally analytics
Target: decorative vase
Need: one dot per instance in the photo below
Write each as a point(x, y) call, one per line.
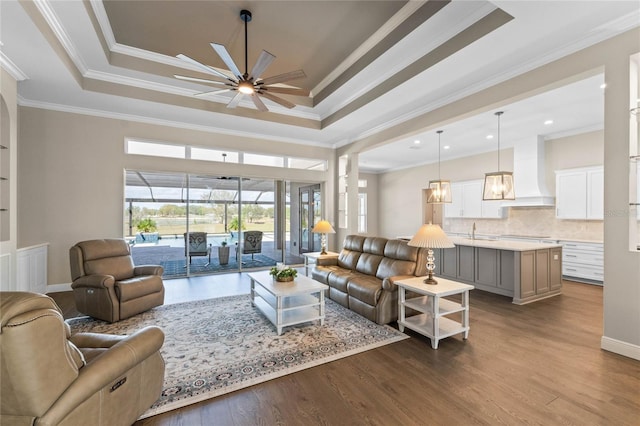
point(284, 279)
point(223, 255)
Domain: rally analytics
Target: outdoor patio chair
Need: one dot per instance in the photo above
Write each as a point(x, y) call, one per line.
point(197, 246)
point(251, 244)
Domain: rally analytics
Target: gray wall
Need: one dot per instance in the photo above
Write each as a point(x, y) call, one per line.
point(71, 175)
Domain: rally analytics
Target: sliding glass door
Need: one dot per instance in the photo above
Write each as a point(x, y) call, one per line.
point(200, 224)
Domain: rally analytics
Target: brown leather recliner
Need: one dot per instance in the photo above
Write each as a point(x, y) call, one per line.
point(106, 284)
point(52, 378)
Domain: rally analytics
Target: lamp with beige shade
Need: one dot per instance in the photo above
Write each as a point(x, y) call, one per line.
point(323, 227)
point(430, 236)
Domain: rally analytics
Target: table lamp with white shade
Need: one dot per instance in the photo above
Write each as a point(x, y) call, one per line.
point(431, 236)
point(323, 227)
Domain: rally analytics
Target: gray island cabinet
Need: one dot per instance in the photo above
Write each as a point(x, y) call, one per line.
point(524, 271)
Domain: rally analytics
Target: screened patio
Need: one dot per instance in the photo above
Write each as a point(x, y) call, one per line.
point(222, 207)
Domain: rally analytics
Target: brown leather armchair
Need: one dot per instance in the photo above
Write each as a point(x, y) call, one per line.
point(52, 378)
point(106, 284)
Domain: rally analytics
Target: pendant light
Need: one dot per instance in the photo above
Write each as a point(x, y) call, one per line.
point(440, 189)
point(498, 185)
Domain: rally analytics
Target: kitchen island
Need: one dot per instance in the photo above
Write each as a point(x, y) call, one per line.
point(525, 271)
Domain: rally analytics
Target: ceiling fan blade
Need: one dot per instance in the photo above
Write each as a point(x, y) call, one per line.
point(199, 80)
point(212, 92)
point(235, 101)
point(264, 60)
point(203, 67)
point(278, 100)
point(286, 90)
point(280, 78)
point(224, 55)
point(258, 102)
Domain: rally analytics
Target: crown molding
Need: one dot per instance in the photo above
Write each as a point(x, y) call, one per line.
point(159, 122)
point(11, 68)
point(396, 20)
point(44, 7)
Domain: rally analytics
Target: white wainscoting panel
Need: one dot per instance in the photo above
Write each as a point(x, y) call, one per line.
point(32, 268)
point(5, 273)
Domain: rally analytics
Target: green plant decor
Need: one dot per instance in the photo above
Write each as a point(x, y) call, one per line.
point(147, 225)
point(223, 243)
point(235, 225)
point(281, 272)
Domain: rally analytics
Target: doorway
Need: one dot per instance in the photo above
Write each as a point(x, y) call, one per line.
point(310, 213)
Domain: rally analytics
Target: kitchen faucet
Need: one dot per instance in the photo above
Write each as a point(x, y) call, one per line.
point(473, 231)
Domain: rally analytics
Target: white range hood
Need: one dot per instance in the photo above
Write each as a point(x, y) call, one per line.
point(529, 175)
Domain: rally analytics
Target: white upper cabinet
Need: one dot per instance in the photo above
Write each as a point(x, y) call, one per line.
point(466, 202)
point(472, 198)
point(595, 194)
point(456, 207)
point(580, 193)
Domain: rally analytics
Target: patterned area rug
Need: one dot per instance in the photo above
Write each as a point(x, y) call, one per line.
point(217, 346)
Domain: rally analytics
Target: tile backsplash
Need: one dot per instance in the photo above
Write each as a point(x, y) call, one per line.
point(531, 221)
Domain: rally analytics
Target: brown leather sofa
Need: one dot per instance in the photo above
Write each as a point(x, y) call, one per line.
point(362, 277)
point(52, 378)
point(106, 284)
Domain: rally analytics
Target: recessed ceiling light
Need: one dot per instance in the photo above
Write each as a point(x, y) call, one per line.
point(417, 142)
point(603, 85)
point(489, 136)
point(548, 122)
point(446, 147)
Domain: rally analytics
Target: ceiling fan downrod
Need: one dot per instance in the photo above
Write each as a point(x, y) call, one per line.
point(245, 15)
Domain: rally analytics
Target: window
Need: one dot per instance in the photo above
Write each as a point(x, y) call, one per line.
point(263, 160)
point(155, 149)
point(214, 155)
point(342, 191)
point(306, 164)
point(362, 213)
point(161, 149)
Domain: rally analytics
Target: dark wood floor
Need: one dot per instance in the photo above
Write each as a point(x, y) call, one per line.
point(537, 364)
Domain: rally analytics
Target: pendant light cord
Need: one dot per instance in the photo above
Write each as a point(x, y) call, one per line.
point(499, 113)
point(439, 144)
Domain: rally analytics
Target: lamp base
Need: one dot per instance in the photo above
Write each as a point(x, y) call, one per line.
point(323, 251)
point(430, 280)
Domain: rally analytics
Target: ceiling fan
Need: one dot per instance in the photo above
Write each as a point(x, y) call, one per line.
point(250, 84)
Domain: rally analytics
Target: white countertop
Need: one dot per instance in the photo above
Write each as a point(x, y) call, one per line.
point(502, 245)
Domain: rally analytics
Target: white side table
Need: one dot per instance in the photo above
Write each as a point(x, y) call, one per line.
point(433, 322)
point(312, 257)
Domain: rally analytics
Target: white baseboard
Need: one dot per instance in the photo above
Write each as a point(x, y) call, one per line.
point(58, 288)
point(620, 347)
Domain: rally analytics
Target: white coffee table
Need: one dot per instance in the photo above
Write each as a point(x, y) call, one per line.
point(288, 303)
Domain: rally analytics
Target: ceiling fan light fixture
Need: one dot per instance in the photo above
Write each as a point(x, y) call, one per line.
point(245, 87)
point(246, 83)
